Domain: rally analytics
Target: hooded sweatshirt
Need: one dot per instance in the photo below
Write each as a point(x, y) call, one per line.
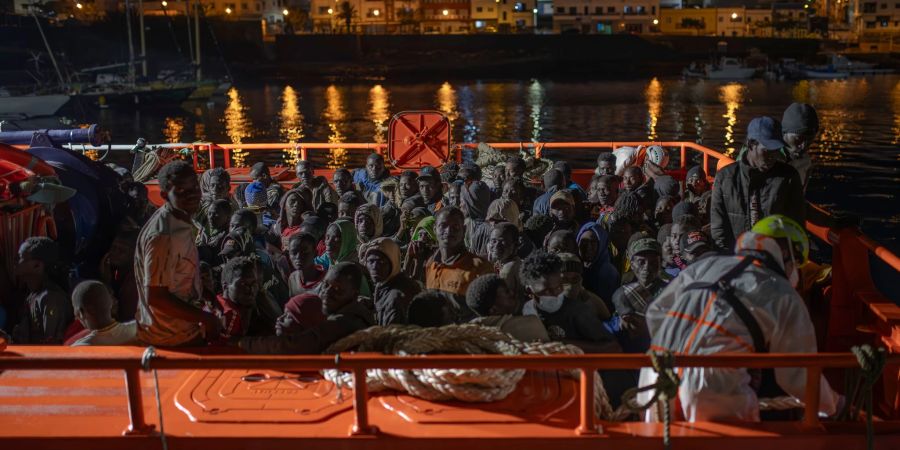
point(505, 210)
point(282, 227)
point(600, 275)
point(374, 212)
point(476, 198)
point(392, 296)
point(414, 263)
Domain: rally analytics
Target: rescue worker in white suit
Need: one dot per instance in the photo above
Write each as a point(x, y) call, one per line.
point(692, 316)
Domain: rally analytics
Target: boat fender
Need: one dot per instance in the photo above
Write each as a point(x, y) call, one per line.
point(26, 160)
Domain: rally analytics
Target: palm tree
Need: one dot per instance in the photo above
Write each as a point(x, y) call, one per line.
point(347, 11)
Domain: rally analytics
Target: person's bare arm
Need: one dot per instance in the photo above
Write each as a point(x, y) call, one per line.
point(160, 298)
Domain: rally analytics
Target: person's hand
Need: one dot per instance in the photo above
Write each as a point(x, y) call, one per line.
point(630, 322)
point(211, 326)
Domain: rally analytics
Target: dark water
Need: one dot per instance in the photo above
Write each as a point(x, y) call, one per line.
point(857, 160)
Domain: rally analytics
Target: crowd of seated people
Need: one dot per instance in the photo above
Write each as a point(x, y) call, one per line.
point(629, 264)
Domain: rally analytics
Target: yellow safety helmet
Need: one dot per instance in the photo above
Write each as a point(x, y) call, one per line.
point(781, 226)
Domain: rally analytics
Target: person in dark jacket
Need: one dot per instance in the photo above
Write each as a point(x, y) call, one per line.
point(553, 181)
point(393, 289)
point(758, 185)
point(800, 126)
point(344, 315)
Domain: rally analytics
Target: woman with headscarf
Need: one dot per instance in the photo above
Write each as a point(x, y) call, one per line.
point(600, 275)
point(421, 248)
point(341, 242)
point(292, 207)
point(215, 184)
point(368, 222)
point(393, 289)
point(475, 199)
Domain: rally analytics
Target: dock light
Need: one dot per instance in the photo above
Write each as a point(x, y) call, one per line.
point(79, 5)
point(445, 12)
point(165, 3)
point(534, 11)
point(285, 12)
point(330, 11)
point(733, 16)
point(655, 21)
point(376, 13)
point(227, 10)
point(805, 6)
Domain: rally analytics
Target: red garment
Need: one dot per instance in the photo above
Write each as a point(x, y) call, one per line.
point(306, 310)
point(286, 234)
point(232, 325)
point(74, 332)
point(320, 248)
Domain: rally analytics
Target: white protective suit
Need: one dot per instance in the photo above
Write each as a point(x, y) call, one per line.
point(689, 322)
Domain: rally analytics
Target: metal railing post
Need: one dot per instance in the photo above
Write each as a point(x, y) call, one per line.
point(587, 425)
point(137, 425)
point(212, 156)
point(361, 425)
point(811, 399)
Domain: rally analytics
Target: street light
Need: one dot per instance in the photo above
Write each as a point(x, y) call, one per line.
point(165, 3)
point(445, 12)
point(79, 5)
point(330, 11)
point(285, 12)
point(376, 13)
point(655, 21)
point(733, 16)
point(534, 11)
point(227, 10)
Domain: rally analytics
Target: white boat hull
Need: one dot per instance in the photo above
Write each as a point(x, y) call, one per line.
point(825, 75)
point(31, 105)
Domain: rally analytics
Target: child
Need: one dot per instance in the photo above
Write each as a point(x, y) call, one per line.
point(45, 312)
point(209, 241)
point(93, 305)
point(307, 274)
point(240, 286)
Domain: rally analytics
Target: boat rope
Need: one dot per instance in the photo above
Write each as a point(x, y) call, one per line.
point(148, 356)
point(860, 384)
point(664, 390)
point(469, 385)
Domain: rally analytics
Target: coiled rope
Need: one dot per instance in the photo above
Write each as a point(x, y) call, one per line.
point(469, 385)
point(664, 389)
point(148, 356)
point(860, 384)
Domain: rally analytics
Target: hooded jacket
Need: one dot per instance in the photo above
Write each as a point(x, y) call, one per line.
point(780, 192)
point(373, 212)
point(476, 199)
point(691, 321)
point(392, 297)
point(350, 319)
point(349, 243)
point(600, 275)
point(505, 210)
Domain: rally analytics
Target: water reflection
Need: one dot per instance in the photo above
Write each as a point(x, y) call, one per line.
point(335, 117)
point(536, 103)
point(237, 125)
point(653, 93)
point(732, 95)
point(172, 129)
point(497, 118)
point(895, 105)
point(379, 114)
point(199, 125)
point(291, 127)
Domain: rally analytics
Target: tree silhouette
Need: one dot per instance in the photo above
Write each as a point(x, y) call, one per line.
point(347, 11)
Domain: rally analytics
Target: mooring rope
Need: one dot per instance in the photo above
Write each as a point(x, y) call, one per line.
point(148, 356)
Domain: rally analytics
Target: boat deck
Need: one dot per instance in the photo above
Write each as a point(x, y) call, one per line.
point(220, 409)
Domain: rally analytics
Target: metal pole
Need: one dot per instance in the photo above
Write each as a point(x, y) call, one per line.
point(197, 38)
point(143, 39)
point(47, 46)
point(130, 43)
point(187, 12)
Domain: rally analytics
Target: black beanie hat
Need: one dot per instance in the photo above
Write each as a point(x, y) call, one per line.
point(799, 118)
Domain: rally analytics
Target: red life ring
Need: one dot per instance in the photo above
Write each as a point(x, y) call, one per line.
point(26, 160)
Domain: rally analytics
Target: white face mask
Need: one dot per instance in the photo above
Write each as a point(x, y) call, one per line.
point(550, 303)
